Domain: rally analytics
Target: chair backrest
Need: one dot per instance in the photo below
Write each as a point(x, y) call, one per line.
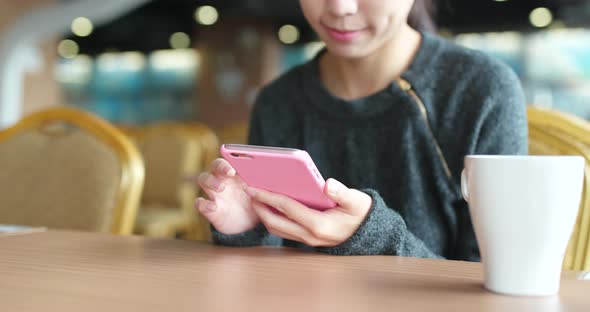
point(553, 120)
point(64, 168)
point(208, 140)
point(171, 153)
point(556, 133)
point(236, 133)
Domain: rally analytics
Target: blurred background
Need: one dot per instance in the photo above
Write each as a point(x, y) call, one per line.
point(205, 60)
point(179, 77)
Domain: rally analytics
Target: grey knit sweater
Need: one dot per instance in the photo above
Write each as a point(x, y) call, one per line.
point(383, 145)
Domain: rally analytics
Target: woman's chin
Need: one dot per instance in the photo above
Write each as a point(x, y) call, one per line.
point(348, 51)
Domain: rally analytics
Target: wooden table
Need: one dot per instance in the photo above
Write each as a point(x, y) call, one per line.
point(69, 271)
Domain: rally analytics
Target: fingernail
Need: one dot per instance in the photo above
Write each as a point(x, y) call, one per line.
point(333, 187)
point(210, 207)
point(216, 186)
point(251, 191)
point(230, 171)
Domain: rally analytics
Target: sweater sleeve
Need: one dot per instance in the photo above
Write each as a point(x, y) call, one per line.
point(383, 232)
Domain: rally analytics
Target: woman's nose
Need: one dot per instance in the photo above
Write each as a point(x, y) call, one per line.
point(343, 7)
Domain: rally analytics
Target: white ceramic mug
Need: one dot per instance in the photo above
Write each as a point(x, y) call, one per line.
point(523, 210)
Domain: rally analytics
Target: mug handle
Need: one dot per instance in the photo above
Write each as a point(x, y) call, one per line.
point(464, 188)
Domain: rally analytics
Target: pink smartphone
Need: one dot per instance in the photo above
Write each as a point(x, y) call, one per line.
point(285, 171)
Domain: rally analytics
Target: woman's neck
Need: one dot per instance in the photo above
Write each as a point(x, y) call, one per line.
point(349, 78)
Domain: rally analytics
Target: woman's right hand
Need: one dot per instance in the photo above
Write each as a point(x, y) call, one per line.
point(229, 207)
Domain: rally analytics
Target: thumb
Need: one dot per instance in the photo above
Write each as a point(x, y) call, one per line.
point(352, 200)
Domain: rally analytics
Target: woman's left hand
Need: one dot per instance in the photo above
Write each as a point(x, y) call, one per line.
point(309, 226)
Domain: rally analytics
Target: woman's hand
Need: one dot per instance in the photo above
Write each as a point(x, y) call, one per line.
point(312, 227)
point(229, 208)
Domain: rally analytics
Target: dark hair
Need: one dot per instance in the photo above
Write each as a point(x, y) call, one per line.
point(421, 16)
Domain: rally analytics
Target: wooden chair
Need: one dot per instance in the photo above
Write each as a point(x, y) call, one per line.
point(557, 133)
point(172, 153)
point(556, 121)
point(67, 169)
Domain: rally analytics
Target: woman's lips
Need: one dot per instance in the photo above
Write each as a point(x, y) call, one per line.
point(343, 35)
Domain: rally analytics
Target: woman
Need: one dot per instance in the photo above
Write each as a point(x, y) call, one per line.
point(387, 110)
